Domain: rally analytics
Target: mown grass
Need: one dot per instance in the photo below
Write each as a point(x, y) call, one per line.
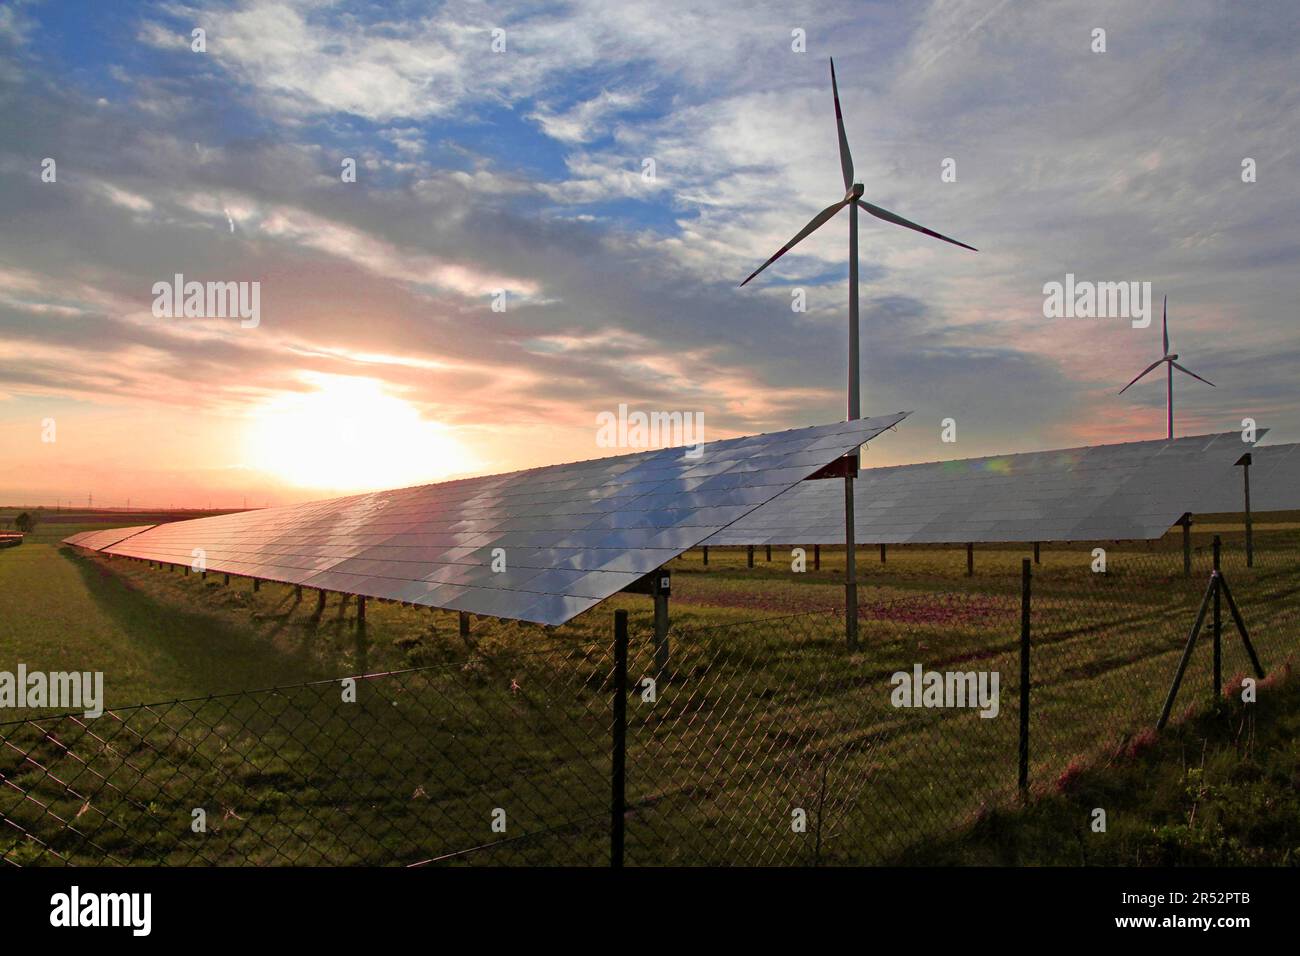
point(752, 721)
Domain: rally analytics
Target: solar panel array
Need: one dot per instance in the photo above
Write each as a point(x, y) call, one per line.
point(1094, 493)
point(99, 540)
point(569, 535)
point(1274, 483)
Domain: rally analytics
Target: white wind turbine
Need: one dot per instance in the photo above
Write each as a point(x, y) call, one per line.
point(853, 199)
point(1171, 361)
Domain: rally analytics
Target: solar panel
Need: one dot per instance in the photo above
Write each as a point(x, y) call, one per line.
point(569, 536)
point(1274, 483)
point(1099, 492)
point(99, 540)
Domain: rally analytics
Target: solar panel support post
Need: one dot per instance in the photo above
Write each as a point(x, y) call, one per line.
point(882, 552)
point(320, 601)
point(297, 592)
point(464, 625)
point(226, 581)
point(1026, 576)
point(706, 555)
point(618, 762)
point(1245, 483)
point(257, 584)
point(817, 557)
point(361, 615)
point(1217, 624)
point(970, 558)
point(661, 626)
point(769, 553)
point(1186, 522)
point(750, 556)
point(1038, 554)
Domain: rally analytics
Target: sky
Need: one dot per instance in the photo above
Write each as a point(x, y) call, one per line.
point(554, 205)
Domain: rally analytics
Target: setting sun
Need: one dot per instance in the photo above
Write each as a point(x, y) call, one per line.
point(350, 433)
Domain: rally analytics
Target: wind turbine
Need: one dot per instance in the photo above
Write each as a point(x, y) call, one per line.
point(854, 201)
point(1170, 360)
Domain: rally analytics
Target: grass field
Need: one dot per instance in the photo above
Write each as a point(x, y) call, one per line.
point(752, 721)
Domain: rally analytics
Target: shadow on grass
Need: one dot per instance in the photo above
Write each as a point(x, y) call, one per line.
point(198, 651)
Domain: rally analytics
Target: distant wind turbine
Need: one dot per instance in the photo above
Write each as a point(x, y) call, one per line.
point(1171, 360)
point(853, 199)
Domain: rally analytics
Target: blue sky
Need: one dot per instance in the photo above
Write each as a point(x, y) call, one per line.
point(522, 170)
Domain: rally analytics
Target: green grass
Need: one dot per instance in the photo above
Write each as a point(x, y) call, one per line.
point(752, 721)
point(1223, 789)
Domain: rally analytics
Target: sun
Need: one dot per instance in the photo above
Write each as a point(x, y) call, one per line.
point(351, 434)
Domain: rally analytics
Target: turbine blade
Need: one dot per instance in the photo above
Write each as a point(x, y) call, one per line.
point(1193, 374)
point(1164, 321)
point(1153, 365)
point(846, 159)
point(816, 222)
point(897, 220)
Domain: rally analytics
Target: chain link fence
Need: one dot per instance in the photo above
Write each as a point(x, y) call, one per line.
point(755, 743)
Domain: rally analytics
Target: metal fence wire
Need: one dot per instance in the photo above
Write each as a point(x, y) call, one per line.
point(763, 742)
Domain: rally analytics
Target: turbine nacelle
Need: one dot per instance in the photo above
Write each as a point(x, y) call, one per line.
point(852, 197)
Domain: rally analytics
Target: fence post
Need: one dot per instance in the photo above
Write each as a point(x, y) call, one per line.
point(1025, 577)
point(619, 763)
point(1218, 626)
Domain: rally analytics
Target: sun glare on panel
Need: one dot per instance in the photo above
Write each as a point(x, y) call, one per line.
point(351, 434)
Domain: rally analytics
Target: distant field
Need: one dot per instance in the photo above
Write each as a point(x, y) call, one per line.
point(751, 718)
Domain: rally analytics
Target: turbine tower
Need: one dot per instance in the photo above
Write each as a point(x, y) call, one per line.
point(1171, 361)
point(853, 199)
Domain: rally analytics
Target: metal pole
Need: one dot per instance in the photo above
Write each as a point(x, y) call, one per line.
point(855, 412)
point(882, 553)
point(1025, 577)
point(749, 556)
point(706, 555)
point(1187, 656)
point(618, 769)
point(850, 569)
point(1250, 542)
point(1038, 555)
point(817, 557)
point(970, 558)
point(1241, 627)
point(464, 624)
point(257, 584)
point(361, 612)
point(769, 552)
point(1169, 401)
point(1186, 522)
point(1218, 626)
